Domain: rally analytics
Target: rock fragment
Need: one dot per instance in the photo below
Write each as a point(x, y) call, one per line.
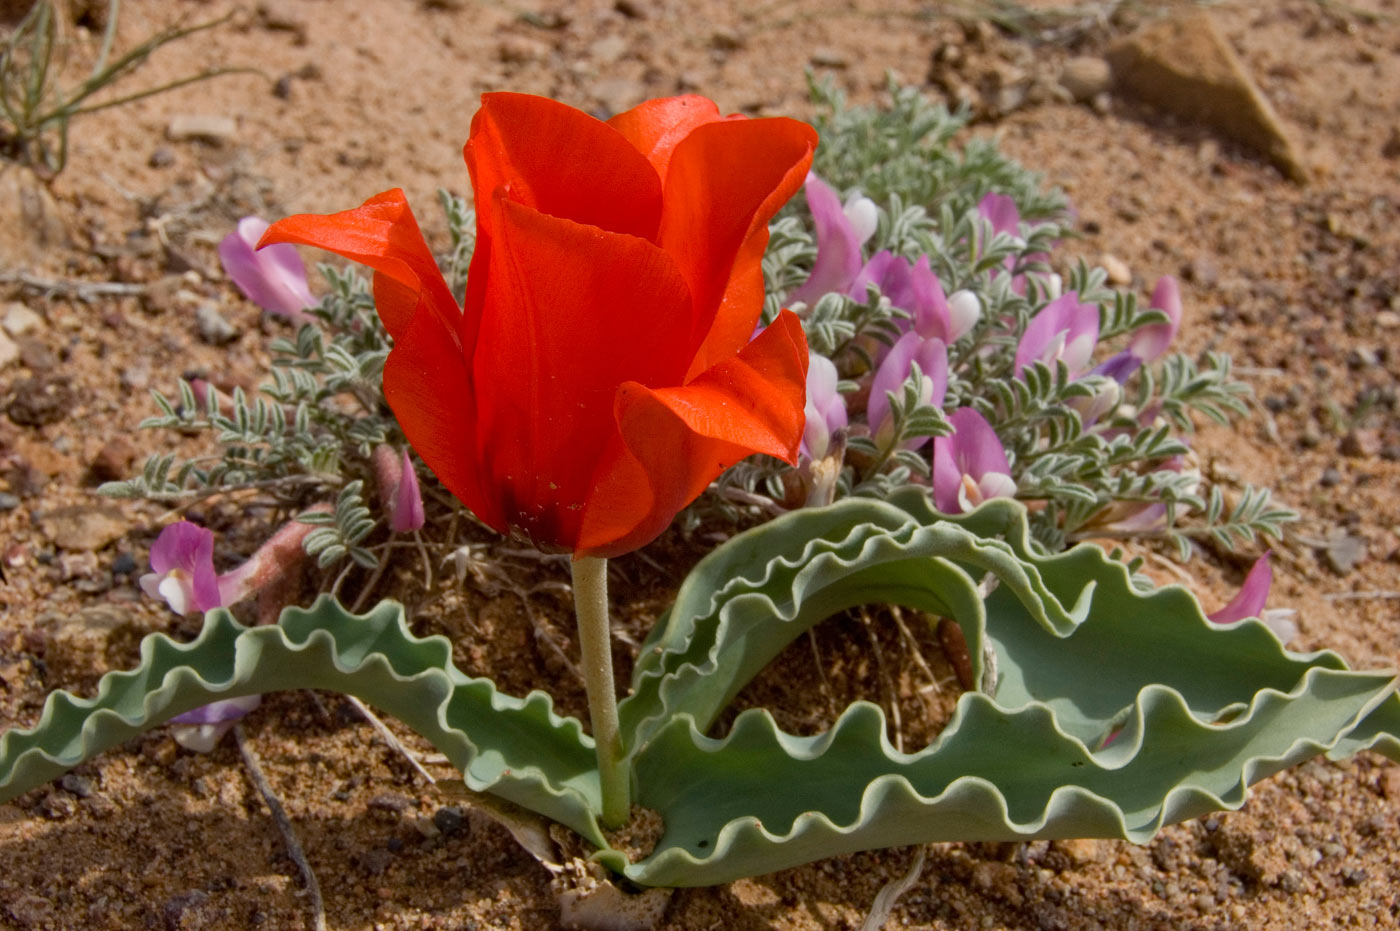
point(1183, 65)
point(41, 400)
point(1084, 77)
point(84, 526)
point(201, 127)
point(212, 327)
point(19, 320)
point(9, 352)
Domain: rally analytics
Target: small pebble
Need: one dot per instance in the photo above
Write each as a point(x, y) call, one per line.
point(1361, 443)
point(1118, 271)
point(124, 564)
point(212, 129)
point(1331, 478)
point(8, 502)
point(828, 58)
point(1363, 357)
point(1085, 77)
point(79, 785)
point(393, 803)
point(212, 327)
point(20, 320)
point(450, 820)
point(1345, 553)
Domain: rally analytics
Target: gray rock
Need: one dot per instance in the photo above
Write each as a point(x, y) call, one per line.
point(201, 127)
point(451, 820)
point(212, 327)
point(1085, 77)
point(1345, 553)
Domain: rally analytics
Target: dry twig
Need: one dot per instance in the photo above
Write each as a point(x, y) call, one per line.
point(284, 825)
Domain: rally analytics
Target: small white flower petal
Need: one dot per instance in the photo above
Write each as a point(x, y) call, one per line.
point(863, 216)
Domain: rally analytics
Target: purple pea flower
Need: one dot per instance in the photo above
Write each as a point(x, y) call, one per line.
point(1149, 343)
point(912, 286)
point(932, 358)
point(1064, 330)
point(274, 278)
point(182, 569)
point(1000, 211)
point(1249, 602)
point(841, 231)
point(398, 489)
point(183, 575)
point(969, 465)
point(826, 409)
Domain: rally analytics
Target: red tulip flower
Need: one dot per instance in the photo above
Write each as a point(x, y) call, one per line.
point(600, 373)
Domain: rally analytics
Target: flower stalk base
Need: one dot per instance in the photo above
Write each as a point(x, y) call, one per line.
point(591, 608)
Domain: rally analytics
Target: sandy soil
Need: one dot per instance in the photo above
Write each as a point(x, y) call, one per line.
point(1300, 283)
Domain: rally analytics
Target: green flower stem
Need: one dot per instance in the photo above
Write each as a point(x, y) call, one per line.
point(591, 608)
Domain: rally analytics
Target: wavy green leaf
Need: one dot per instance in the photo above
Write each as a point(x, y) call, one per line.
point(1204, 710)
point(518, 749)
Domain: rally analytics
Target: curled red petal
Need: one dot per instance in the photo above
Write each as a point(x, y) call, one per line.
point(575, 311)
point(563, 162)
point(726, 180)
point(656, 127)
point(383, 234)
point(672, 442)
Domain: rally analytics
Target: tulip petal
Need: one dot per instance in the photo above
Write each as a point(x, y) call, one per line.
point(575, 312)
point(726, 180)
point(656, 127)
point(429, 389)
point(674, 441)
point(383, 234)
point(561, 162)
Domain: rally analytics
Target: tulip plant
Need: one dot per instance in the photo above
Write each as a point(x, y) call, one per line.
point(642, 312)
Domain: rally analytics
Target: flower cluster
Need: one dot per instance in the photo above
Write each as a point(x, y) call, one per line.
point(968, 464)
